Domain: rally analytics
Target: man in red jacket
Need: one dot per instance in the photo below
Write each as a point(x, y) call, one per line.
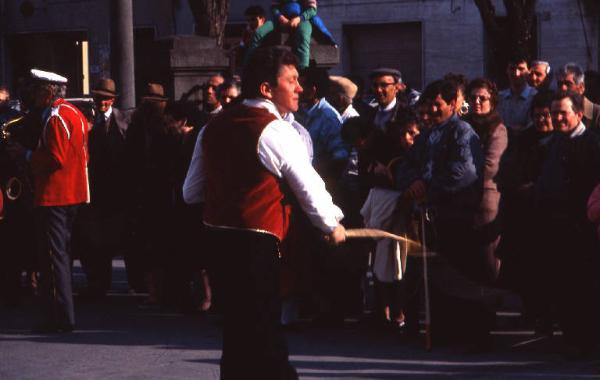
point(59, 167)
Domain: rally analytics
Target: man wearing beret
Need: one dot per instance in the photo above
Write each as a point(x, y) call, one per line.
point(341, 94)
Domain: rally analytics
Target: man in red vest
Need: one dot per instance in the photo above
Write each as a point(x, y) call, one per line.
point(250, 162)
point(59, 167)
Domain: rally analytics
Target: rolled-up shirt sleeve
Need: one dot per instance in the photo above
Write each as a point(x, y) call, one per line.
point(283, 153)
point(194, 179)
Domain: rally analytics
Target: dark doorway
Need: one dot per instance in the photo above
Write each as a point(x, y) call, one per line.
point(59, 52)
point(146, 68)
point(496, 69)
point(396, 45)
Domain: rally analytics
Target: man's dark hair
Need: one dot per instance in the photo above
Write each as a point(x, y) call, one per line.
point(516, 59)
point(318, 77)
point(445, 88)
point(255, 11)
point(543, 99)
point(264, 66)
point(576, 99)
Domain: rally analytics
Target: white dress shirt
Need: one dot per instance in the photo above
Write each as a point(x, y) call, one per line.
point(304, 135)
point(349, 112)
point(283, 153)
point(384, 114)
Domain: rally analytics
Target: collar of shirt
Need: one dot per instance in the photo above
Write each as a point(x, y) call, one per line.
point(387, 108)
point(526, 93)
point(452, 118)
point(349, 112)
point(578, 131)
point(108, 113)
point(216, 110)
point(309, 111)
point(263, 103)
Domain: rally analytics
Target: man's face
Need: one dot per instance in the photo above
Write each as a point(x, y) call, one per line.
point(42, 98)
point(440, 111)
point(285, 95)
point(307, 97)
point(564, 119)
point(209, 91)
point(229, 95)
point(424, 115)
point(567, 83)
point(542, 120)
point(409, 133)
point(537, 75)
point(4, 98)
point(103, 103)
point(385, 88)
point(255, 22)
point(517, 73)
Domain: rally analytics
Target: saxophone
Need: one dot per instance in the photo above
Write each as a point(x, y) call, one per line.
point(14, 185)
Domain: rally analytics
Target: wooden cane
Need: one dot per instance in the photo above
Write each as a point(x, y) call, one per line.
point(426, 285)
point(374, 233)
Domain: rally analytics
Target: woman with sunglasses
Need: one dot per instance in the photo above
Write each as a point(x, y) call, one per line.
point(486, 121)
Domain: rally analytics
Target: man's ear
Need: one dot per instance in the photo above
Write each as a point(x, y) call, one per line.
point(400, 86)
point(266, 90)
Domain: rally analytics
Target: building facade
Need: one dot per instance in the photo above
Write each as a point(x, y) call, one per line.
point(423, 38)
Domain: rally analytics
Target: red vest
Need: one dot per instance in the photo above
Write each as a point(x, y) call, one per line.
point(59, 164)
point(239, 191)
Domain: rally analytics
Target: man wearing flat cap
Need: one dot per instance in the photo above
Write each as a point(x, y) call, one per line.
point(59, 168)
point(341, 94)
point(386, 85)
point(107, 174)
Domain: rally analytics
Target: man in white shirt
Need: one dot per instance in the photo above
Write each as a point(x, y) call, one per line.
point(341, 94)
point(247, 157)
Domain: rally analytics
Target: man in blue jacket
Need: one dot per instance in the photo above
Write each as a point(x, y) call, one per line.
point(444, 170)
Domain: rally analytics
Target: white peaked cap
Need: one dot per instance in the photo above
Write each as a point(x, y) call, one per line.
point(48, 76)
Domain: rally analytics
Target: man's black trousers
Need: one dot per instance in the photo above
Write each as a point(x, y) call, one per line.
point(246, 270)
point(54, 226)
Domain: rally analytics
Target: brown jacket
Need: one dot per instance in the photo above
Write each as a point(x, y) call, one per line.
point(591, 114)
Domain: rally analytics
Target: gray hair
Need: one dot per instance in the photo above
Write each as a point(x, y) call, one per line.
point(540, 62)
point(575, 69)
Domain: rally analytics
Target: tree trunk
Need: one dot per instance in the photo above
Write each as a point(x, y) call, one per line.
point(513, 38)
point(210, 17)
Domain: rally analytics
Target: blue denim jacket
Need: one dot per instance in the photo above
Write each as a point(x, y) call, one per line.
point(324, 125)
point(449, 159)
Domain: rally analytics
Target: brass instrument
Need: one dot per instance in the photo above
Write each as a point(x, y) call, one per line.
point(14, 186)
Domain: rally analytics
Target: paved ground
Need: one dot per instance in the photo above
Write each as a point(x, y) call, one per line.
point(118, 340)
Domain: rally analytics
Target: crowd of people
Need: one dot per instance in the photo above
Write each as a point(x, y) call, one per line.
point(506, 185)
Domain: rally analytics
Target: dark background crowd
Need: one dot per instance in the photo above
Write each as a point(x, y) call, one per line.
point(505, 182)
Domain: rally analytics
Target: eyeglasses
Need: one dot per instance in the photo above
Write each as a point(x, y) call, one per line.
point(479, 98)
point(383, 85)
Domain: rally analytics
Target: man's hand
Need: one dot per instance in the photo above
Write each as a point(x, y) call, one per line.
point(416, 191)
point(283, 21)
point(337, 236)
point(294, 22)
